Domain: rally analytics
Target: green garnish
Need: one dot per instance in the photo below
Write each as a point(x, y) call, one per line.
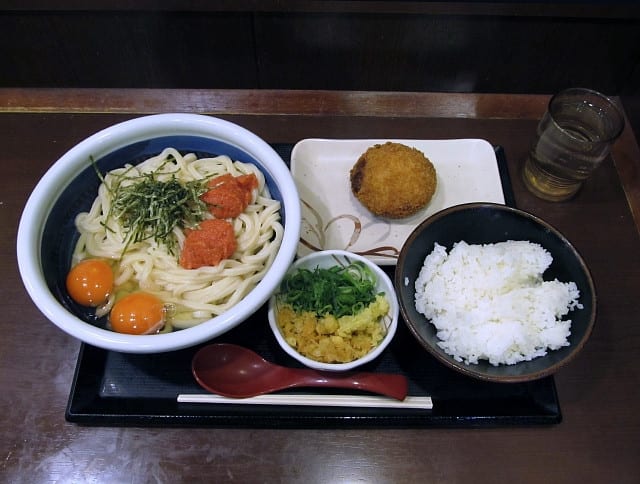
point(148, 208)
point(339, 290)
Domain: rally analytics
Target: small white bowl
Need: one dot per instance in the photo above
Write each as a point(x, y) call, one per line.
point(330, 258)
point(47, 234)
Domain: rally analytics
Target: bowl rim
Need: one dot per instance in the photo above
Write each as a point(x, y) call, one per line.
point(471, 370)
point(394, 313)
point(70, 164)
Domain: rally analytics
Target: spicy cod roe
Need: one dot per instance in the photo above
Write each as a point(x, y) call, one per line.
point(214, 240)
point(228, 196)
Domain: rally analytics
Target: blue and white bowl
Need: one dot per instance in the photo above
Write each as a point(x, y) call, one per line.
point(47, 235)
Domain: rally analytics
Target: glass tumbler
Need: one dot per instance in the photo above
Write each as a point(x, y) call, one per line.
point(573, 138)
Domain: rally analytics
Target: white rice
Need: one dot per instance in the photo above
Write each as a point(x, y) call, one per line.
point(489, 302)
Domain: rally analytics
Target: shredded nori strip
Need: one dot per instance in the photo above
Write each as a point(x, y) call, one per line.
point(148, 208)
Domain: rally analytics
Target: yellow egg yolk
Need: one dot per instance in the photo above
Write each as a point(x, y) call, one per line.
point(137, 313)
point(90, 282)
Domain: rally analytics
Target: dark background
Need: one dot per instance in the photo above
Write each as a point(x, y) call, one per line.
point(510, 47)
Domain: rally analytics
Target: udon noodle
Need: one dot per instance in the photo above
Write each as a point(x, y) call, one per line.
point(194, 295)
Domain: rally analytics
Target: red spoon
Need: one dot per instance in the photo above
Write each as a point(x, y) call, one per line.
point(234, 371)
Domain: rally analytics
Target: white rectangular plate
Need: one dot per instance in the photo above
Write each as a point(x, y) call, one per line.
point(332, 218)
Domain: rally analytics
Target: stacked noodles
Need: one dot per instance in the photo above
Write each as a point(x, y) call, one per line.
point(195, 295)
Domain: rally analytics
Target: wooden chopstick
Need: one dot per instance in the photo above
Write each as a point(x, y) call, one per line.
point(424, 403)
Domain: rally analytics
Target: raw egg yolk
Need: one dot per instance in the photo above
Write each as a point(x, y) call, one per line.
point(90, 282)
point(137, 313)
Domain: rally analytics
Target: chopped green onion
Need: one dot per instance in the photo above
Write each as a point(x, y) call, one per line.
point(338, 290)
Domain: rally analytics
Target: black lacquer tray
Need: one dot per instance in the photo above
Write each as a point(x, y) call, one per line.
point(117, 389)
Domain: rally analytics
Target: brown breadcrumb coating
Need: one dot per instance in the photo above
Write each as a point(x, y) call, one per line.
point(393, 180)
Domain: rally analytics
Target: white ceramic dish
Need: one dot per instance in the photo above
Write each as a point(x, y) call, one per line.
point(332, 218)
point(47, 232)
point(330, 258)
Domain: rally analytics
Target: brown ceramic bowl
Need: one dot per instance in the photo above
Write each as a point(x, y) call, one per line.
point(483, 223)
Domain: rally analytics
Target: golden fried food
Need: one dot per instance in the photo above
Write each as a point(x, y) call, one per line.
point(334, 340)
point(393, 180)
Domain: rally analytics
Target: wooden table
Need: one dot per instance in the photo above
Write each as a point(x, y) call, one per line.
point(597, 441)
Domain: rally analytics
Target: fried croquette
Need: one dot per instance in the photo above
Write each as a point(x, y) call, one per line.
point(393, 180)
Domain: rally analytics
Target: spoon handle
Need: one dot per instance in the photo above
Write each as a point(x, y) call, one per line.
point(391, 385)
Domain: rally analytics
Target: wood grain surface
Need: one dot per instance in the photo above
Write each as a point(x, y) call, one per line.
point(597, 441)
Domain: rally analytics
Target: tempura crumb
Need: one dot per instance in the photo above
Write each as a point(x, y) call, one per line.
point(330, 340)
